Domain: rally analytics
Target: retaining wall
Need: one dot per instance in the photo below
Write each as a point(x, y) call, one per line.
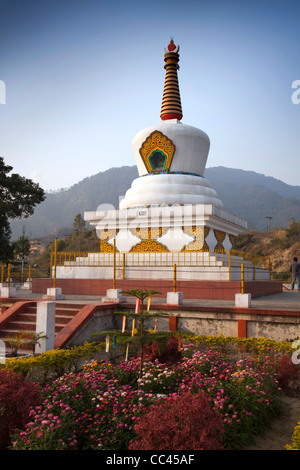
point(212, 321)
point(219, 290)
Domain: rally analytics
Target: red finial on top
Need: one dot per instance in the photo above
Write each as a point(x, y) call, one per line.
point(171, 46)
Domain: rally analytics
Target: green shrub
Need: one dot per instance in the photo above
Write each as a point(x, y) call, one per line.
point(98, 407)
point(53, 364)
point(295, 439)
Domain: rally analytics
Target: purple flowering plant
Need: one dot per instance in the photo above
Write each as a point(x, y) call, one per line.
point(99, 407)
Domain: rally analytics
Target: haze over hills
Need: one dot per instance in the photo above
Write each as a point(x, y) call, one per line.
point(247, 194)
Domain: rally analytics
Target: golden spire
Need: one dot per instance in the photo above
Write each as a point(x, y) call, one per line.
point(171, 103)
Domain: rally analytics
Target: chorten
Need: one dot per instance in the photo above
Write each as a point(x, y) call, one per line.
point(170, 156)
point(171, 206)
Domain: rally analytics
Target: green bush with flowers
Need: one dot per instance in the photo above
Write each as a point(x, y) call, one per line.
point(295, 439)
point(54, 363)
point(103, 406)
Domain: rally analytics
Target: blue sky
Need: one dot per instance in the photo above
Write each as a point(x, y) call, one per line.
point(82, 77)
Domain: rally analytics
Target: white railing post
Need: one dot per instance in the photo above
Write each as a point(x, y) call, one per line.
point(45, 325)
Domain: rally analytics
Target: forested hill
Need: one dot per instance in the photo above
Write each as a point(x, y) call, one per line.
point(246, 194)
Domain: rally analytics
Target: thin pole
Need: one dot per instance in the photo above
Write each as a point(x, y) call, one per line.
point(8, 276)
point(114, 265)
point(174, 279)
point(242, 279)
point(55, 260)
point(124, 265)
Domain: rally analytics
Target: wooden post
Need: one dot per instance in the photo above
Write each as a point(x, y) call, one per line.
point(2, 274)
point(229, 266)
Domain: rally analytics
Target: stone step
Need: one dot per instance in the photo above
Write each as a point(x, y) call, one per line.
point(21, 325)
point(25, 316)
point(66, 312)
point(26, 322)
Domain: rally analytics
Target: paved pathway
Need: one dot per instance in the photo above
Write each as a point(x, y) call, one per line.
point(289, 300)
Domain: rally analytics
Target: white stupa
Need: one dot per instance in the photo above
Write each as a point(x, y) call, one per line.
point(172, 155)
point(171, 206)
point(169, 217)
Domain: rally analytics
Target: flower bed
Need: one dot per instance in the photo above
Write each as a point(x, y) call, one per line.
point(104, 406)
point(295, 439)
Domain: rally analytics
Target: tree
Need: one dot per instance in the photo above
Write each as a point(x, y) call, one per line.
point(143, 336)
point(18, 198)
point(22, 248)
point(6, 248)
point(79, 225)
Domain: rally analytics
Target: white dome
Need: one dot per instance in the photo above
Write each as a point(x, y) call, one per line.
point(191, 147)
point(169, 189)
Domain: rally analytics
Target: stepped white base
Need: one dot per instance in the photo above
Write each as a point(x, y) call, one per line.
point(149, 242)
point(189, 266)
point(167, 228)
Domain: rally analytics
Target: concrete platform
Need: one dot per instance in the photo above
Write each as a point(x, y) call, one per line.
point(289, 300)
point(274, 316)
